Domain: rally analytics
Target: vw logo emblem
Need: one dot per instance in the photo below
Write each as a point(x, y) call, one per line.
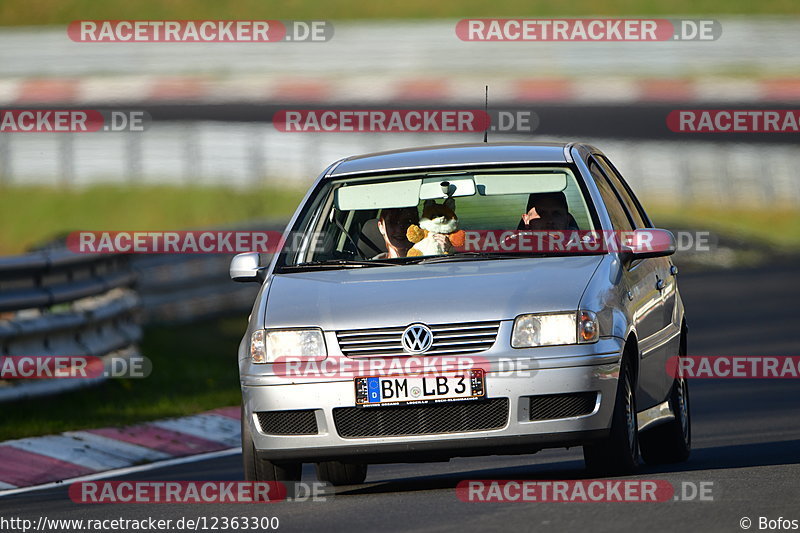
point(417, 338)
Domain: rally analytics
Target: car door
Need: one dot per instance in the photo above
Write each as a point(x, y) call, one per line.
point(640, 294)
point(665, 269)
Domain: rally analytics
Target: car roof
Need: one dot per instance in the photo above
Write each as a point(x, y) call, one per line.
point(454, 155)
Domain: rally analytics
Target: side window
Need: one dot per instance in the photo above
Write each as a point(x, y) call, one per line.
point(619, 218)
point(625, 192)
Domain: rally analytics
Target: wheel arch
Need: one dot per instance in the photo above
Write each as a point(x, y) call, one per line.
point(630, 354)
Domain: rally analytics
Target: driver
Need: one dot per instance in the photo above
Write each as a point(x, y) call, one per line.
point(393, 224)
point(547, 211)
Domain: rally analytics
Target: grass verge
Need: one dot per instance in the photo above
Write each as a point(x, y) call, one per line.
point(775, 228)
point(194, 370)
point(31, 215)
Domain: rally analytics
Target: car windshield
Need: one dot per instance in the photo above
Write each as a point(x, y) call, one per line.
point(435, 216)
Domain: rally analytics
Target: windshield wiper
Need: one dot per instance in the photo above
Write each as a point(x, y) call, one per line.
point(458, 256)
point(338, 263)
point(478, 256)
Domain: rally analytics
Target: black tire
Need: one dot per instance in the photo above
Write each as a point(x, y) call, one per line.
point(618, 453)
point(256, 469)
point(670, 442)
point(338, 473)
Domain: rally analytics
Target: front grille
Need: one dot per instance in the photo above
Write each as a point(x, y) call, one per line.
point(451, 417)
point(450, 339)
point(552, 406)
point(302, 422)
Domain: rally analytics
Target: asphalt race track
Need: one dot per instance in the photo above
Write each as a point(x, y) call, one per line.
point(746, 441)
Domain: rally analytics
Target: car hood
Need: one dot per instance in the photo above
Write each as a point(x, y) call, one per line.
point(433, 293)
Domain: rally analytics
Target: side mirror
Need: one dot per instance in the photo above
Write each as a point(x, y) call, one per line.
point(648, 242)
point(246, 267)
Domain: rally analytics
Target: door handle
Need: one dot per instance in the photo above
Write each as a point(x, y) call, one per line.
point(673, 270)
point(660, 284)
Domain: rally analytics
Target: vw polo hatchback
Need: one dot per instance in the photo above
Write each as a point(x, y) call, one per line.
point(460, 301)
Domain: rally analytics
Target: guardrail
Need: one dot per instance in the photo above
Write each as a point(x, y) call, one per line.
point(184, 288)
point(181, 288)
point(55, 302)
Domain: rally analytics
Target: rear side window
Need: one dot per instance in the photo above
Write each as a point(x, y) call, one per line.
point(616, 212)
point(630, 201)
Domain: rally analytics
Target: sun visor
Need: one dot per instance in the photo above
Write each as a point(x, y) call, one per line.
point(540, 182)
point(385, 195)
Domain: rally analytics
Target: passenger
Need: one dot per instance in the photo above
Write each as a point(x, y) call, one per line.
point(393, 224)
point(547, 211)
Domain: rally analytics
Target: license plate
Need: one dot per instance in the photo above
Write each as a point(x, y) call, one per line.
point(395, 390)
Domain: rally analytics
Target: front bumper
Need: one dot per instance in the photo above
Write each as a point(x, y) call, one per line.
point(596, 372)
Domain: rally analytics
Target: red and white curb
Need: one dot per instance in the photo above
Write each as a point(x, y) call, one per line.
point(51, 459)
point(273, 89)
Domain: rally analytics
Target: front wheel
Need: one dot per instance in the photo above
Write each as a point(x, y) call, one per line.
point(670, 442)
point(338, 473)
point(619, 452)
point(256, 469)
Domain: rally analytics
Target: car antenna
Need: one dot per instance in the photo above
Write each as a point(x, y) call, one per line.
point(486, 108)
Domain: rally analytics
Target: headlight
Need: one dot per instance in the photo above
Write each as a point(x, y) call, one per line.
point(297, 344)
point(554, 329)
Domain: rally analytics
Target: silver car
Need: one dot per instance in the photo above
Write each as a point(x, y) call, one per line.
point(407, 320)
